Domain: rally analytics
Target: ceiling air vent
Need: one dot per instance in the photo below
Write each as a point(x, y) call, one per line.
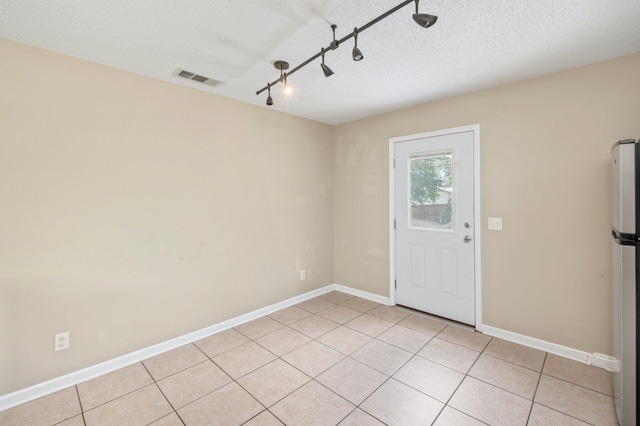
point(196, 77)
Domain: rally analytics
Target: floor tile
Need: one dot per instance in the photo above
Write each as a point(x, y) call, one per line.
point(313, 358)
point(314, 305)
point(258, 327)
point(360, 418)
point(195, 382)
point(264, 419)
point(339, 314)
point(382, 356)
point(423, 325)
point(335, 296)
point(430, 378)
point(395, 403)
point(289, 315)
point(171, 362)
point(371, 326)
point(170, 420)
point(282, 341)
point(405, 338)
point(452, 417)
point(584, 404)
point(581, 374)
point(221, 342)
point(243, 359)
point(360, 304)
point(47, 410)
point(516, 354)
point(344, 340)
point(510, 377)
point(544, 416)
point(352, 380)
point(73, 421)
point(490, 404)
point(272, 382)
point(229, 406)
point(314, 326)
point(113, 385)
point(141, 407)
point(312, 404)
point(470, 339)
point(388, 313)
point(449, 354)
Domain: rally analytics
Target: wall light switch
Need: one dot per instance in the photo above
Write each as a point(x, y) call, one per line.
point(303, 275)
point(495, 223)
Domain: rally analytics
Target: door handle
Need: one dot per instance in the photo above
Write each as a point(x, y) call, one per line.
point(467, 239)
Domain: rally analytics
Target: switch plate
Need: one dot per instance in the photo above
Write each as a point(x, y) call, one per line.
point(495, 223)
point(61, 341)
point(303, 274)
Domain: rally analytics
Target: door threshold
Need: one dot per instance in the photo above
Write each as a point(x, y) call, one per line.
point(437, 318)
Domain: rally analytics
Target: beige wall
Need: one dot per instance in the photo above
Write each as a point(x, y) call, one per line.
point(545, 147)
point(133, 211)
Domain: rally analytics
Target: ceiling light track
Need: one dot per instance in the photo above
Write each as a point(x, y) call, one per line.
point(422, 19)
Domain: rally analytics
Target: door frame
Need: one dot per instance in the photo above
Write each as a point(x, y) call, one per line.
point(475, 128)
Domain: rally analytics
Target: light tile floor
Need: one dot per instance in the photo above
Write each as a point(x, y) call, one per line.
point(337, 359)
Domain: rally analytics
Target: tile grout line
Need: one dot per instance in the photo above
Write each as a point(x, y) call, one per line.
point(163, 394)
point(533, 401)
point(84, 421)
point(463, 379)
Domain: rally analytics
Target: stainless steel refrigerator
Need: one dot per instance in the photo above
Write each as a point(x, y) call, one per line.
point(625, 209)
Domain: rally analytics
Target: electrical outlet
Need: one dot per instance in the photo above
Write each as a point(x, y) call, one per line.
point(61, 341)
point(303, 274)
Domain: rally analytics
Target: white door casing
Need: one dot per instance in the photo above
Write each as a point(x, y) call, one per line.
point(435, 250)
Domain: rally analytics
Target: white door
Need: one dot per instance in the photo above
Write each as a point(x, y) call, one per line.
point(435, 256)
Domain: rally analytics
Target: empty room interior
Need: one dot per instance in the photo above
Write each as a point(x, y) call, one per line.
point(144, 216)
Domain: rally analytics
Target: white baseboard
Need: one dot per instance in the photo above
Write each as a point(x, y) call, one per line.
point(42, 389)
point(595, 359)
point(363, 294)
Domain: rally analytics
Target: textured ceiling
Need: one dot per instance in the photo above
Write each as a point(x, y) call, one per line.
point(474, 44)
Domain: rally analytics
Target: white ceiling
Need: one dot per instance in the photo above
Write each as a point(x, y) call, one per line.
point(474, 44)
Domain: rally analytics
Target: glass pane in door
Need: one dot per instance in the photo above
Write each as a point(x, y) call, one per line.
point(431, 197)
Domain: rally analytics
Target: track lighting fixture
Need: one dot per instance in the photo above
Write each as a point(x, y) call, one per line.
point(423, 19)
point(325, 69)
point(356, 53)
point(269, 98)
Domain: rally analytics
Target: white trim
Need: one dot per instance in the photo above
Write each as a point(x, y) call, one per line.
point(392, 220)
point(42, 389)
point(475, 129)
point(363, 294)
point(595, 359)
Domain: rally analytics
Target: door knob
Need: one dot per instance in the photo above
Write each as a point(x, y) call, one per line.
point(467, 239)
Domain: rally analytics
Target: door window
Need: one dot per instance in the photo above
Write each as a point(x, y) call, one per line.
point(431, 195)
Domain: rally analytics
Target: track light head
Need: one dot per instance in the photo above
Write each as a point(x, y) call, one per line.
point(287, 87)
point(269, 98)
point(357, 54)
point(325, 69)
point(424, 19)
